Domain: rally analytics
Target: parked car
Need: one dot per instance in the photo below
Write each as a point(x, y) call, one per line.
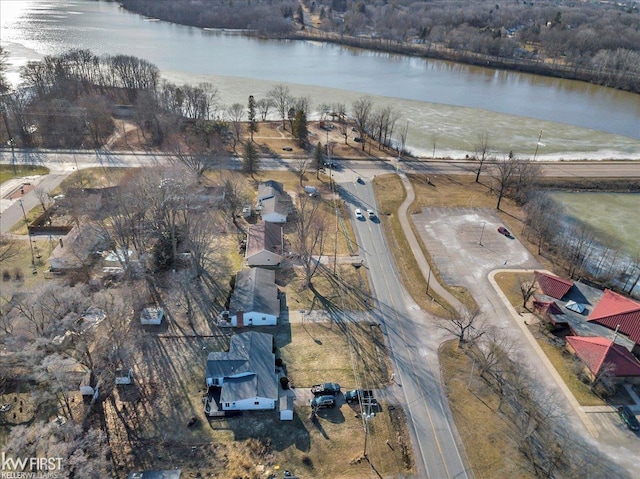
point(357, 139)
point(320, 402)
point(325, 388)
point(359, 214)
point(287, 148)
point(370, 213)
point(629, 418)
point(358, 395)
point(504, 231)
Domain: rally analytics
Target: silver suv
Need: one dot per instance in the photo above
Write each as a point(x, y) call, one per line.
point(320, 402)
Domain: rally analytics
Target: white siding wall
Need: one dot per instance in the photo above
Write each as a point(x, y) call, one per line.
point(249, 404)
point(274, 217)
point(255, 318)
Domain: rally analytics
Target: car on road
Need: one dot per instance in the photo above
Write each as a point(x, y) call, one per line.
point(320, 402)
point(371, 213)
point(358, 395)
point(504, 231)
point(325, 388)
point(331, 164)
point(360, 180)
point(359, 214)
point(287, 148)
point(357, 139)
point(629, 418)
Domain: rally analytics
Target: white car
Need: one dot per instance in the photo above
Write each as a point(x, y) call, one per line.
point(370, 213)
point(359, 214)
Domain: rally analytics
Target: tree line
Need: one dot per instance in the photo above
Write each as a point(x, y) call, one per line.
point(534, 416)
point(591, 41)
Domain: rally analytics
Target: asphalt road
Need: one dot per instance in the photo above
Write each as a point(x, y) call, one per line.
point(414, 355)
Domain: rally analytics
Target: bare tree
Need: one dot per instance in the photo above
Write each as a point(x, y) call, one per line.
point(339, 111)
point(503, 172)
point(281, 99)
point(362, 110)
point(43, 198)
point(527, 289)
point(482, 148)
point(9, 248)
point(543, 218)
point(235, 114)
point(467, 325)
point(264, 105)
point(309, 238)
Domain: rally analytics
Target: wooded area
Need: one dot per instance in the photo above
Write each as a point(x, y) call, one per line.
point(598, 42)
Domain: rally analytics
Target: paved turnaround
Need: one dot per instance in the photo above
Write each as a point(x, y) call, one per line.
point(413, 344)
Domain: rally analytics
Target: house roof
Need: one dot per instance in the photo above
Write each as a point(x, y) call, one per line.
point(597, 351)
point(552, 285)
point(615, 310)
point(264, 236)
point(268, 188)
point(248, 367)
point(255, 290)
point(547, 306)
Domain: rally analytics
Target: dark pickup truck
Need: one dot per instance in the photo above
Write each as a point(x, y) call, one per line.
point(325, 388)
point(362, 395)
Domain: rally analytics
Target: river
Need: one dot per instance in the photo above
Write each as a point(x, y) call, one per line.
point(446, 105)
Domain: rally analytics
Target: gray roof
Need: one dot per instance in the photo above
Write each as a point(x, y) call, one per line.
point(588, 297)
point(264, 236)
point(268, 188)
point(255, 290)
point(250, 354)
point(272, 198)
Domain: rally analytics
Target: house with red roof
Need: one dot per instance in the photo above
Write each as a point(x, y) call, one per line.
point(552, 285)
point(618, 312)
point(599, 354)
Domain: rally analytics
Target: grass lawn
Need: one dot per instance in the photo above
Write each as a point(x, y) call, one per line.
point(8, 172)
point(388, 200)
point(95, 177)
point(17, 271)
point(489, 448)
point(510, 285)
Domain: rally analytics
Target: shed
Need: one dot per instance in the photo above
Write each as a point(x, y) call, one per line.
point(123, 376)
point(286, 408)
point(151, 316)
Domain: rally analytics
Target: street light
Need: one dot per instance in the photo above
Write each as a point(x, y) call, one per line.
point(482, 232)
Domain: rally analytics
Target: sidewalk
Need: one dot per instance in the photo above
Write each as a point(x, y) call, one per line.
point(417, 250)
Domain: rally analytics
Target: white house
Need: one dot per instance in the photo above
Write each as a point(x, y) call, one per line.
point(273, 203)
point(245, 375)
point(151, 316)
point(264, 244)
point(255, 300)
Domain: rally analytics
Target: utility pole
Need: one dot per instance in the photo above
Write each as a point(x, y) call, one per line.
point(26, 222)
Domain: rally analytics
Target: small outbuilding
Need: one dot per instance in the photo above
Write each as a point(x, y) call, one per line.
point(286, 408)
point(151, 316)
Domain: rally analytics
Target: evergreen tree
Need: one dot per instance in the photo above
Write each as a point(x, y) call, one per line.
point(250, 159)
point(318, 158)
point(253, 123)
point(299, 128)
